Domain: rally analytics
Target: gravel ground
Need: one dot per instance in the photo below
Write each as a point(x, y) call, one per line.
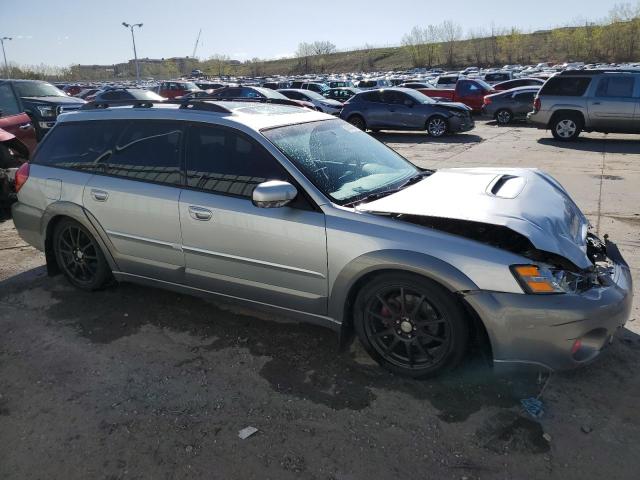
point(133, 382)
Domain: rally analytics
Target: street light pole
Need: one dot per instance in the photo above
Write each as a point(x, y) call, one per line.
point(133, 39)
point(6, 65)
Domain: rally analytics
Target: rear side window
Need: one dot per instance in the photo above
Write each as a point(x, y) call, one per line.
point(372, 97)
point(566, 86)
point(77, 145)
point(615, 87)
point(148, 151)
point(223, 161)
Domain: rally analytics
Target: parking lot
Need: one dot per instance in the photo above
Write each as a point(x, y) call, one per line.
point(133, 382)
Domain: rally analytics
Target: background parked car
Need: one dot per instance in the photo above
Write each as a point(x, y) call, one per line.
point(341, 94)
point(43, 102)
point(514, 104)
point(175, 89)
point(415, 85)
point(590, 100)
point(120, 94)
point(260, 93)
point(497, 77)
point(405, 109)
point(321, 103)
point(467, 91)
point(370, 84)
point(340, 83)
point(518, 82)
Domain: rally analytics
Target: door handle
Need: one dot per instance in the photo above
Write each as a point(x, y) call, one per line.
point(25, 126)
point(99, 195)
point(199, 213)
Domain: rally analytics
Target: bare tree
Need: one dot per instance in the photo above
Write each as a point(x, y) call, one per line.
point(322, 47)
point(421, 44)
point(451, 34)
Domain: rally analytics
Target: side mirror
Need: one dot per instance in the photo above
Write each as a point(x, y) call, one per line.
point(273, 194)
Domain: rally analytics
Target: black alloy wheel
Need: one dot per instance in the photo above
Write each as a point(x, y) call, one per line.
point(79, 256)
point(411, 325)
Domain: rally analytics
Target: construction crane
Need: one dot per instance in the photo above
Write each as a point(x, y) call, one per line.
point(195, 47)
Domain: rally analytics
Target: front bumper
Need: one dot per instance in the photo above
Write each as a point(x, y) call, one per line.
point(461, 124)
point(541, 330)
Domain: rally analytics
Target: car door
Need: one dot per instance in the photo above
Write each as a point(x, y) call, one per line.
point(13, 119)
point(612, 107)
point(400, 108)
point(274, 256)
point(134, 196)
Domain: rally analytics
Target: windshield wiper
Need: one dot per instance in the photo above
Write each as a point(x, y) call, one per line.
point(376, 195)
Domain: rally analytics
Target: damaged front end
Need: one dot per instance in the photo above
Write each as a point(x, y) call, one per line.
point(553, 274)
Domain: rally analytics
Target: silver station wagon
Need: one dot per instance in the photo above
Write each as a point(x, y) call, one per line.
point(302, 213)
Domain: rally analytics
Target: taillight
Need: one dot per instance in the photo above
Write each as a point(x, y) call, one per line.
point(537, 104)
point(487, 101)
point(22, 175)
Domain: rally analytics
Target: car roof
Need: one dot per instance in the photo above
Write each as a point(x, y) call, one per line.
point(254, 115)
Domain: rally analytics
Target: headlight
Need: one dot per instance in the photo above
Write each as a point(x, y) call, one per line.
point(47, 110)
point(544, 279)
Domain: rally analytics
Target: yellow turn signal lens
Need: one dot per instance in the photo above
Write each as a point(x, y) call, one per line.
point(533, 280)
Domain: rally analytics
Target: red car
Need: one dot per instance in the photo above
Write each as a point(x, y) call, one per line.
point(469, 92)
point(175, 89)
point(17, 143)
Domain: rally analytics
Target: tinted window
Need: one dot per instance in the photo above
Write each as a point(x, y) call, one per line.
point(468, 88)
point(525, 97)
point(496, 77)
point(77, 145)
point(147, 151)
point(8, 102)
point(615, 87)
point(566, 86)
point(221, 160)
point(394, 97)
point(372, 97)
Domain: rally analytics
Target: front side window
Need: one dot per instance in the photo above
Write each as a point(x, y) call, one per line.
point(148, 151)
point(223, 161)
point(343, 162)
point(615, 87)
point(8, 102)
point(77, 145)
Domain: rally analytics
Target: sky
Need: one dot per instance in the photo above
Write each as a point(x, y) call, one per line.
point(91, 32)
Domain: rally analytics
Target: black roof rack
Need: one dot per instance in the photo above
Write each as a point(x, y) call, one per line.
point(597, 71)
point(189, 103)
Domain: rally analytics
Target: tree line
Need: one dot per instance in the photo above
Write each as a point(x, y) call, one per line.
point(615, 39)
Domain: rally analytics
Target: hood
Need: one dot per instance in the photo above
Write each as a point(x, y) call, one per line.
point(526, 201)
point(55, 100)
point(333, 103)
point(454, 106)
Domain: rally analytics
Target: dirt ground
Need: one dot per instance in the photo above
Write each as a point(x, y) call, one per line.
point(133, 382)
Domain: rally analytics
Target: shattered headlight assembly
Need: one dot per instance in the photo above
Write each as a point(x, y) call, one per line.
point(47, 110)
point(544, 279)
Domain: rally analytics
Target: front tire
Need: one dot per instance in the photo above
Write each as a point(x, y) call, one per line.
point(79, 256)
point(411, 325)
point(566, 127)
point(437, 126)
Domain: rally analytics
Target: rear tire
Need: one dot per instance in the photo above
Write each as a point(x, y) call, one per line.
point(566, 127)
point(79, 256)
point(437, 126)
point(503, 116)
point(411, 325)
point(358, 122)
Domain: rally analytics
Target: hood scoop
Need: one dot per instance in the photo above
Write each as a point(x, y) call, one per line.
point(507, 186)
